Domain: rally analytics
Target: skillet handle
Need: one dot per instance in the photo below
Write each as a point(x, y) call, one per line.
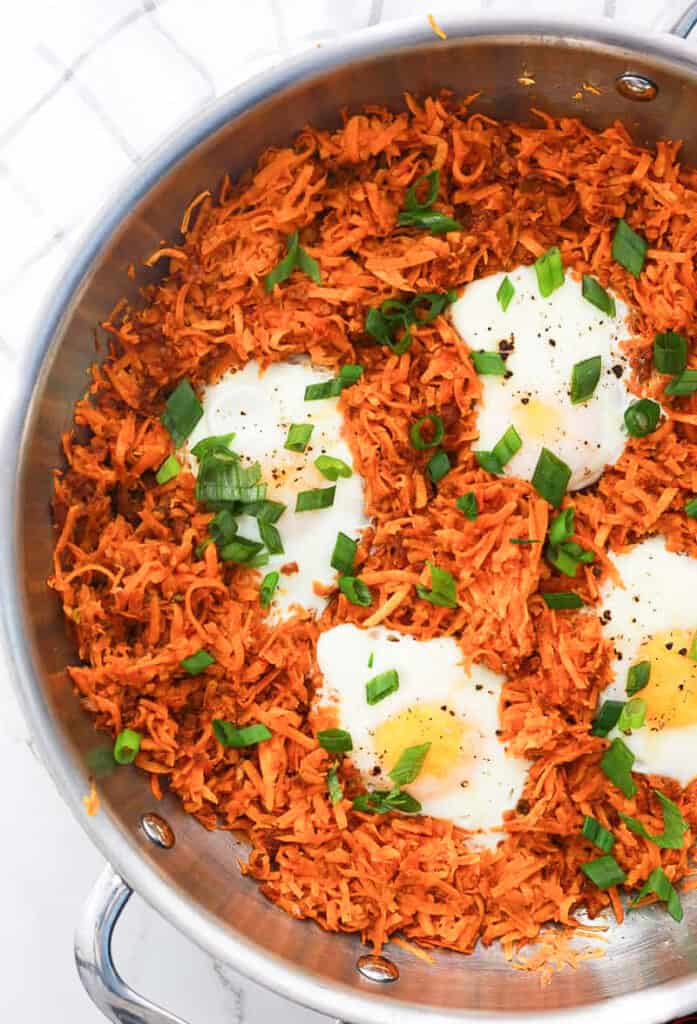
point(103, 983)
point(678, 24)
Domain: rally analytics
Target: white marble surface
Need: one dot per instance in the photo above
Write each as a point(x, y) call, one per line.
point(79, 70)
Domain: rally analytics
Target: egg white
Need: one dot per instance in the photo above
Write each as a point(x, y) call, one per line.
point(548, 336)
point(259, 408)
point(481, 784)
point(657, 597)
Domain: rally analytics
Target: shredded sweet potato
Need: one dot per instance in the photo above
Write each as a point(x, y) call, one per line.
point(139, 600)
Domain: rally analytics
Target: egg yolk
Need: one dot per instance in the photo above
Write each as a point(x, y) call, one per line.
point(671, 692)
point(425, 723)
point(537, 419)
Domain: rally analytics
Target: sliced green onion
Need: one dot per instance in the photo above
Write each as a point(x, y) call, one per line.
point(271, 538)
point(241, 550)
point(562, 560)
point(633, 715)
point(584, 379)
point(659, 884)
point(488, 461)
point(595, 293)
point(182, 412)
point(222, 528)
point(381, 686)
point(309, 265)
point(438, 466)
point(617, 763)
point(641, 417)
point(409, 764)
point(691, 509)
point(505, 293)
point(510, 443)
point(598, 835)
point(265, 511)
point(443, 590)
point(336, 741)
point(268, 588)
point(298, 436)
point(562, 600)
point(685, 384)
point(350, 373)
point(355, 591)
point(670, 352)
point(196, 663)
point(371, 659)
point(638, 677)
point(604, 872)
point(223, 479)
point(332, 468)
point(430, 220)
point(216, 442)
point(411, 200)
point(323, 389)
point(629, 248)
point(416, 432)
point(311, 501)
point(551, 477)
point(562, 526)
point(382, 802)
point(168, 470)
point(344, 554)
point(244, 736)
point(674, 825)
point(437, 301)
point(524, 540)
point(488, 364)
point(467, 504)
point(607, 718)
point(126, 746)
point(334, 789)
point(258, 561)
point(550, 271)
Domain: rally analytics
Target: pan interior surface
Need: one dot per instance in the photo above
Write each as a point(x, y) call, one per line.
point(209, 898)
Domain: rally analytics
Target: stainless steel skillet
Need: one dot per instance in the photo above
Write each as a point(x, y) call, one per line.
point(650, 972)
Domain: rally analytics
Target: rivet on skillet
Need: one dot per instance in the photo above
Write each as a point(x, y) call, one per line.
point(377, 968)
point(157, 830)
point(636, 87)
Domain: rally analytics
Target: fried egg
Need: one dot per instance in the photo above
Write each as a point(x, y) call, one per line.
point(654, 619)
point(541, 340)
point(467, 776)
point(259, 408)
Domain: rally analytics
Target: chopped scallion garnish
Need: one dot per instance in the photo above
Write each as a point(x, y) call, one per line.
point(381, 686)
point(443, 590)
point(505, 294)
point(409, 764)
point(438, 466)
point(507, 446)
point(629, 248)
point(607, 717)
point(562, 527)
point(674, 825)
point(323, 389)
point(633, 715)
point(244, 736)
point(685, 384)
point(551, 477)
point(197, 662)
point(488, 363)
point(659, 884)
point(437, 432)
point(355, 590)
point(638, 677)
point(550, 271)
point(562, 600)
point(418, 213)
point(584, 379)
point(467, 504)
point(126, 746)
point(332, 468)
point(488, 461)
point(617, 763)
point(641, 417)
point(311, 501)
point(296, 258)
point(216, 442)
point(334, 789)
point(241, 550)
point(268, 588)
point(604, 872)
point(598, 835)
point(595, 293)
point(168, 470)
point(691, 508)
point(271, 538)
point(692, 653)
point(344, 554)
point(670, 352)
point(336, 741)
point(182, 412)
point(298, 436)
